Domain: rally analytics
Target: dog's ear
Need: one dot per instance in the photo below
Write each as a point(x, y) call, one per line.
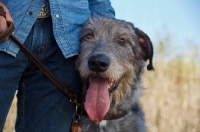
point(146, 46)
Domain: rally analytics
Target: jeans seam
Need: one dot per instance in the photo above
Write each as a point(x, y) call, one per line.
point(43, 51)
point(21, 124)
point(39, 53)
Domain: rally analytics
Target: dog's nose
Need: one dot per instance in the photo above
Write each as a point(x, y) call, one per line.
point(98, 63)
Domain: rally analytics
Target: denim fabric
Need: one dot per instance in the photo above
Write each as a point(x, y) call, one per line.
point(42, 107)
point(68, 17)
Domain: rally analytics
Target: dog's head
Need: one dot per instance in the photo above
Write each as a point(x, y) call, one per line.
point(113, 54)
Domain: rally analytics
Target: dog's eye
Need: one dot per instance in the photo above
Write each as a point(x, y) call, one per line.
point(121, 41)
point(88, 37)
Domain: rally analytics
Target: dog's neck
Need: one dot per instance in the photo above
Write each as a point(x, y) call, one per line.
point(121, 113)
point(127, 103)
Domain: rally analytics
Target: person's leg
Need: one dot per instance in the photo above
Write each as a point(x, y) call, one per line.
point(43, 107)
point(11, 69)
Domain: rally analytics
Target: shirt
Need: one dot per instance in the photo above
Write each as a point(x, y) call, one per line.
point(68, 17)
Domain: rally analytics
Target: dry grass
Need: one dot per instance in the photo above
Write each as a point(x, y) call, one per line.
point(10, 121)
point(172, 96)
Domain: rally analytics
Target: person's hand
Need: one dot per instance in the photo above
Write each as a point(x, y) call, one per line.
point(3, 24)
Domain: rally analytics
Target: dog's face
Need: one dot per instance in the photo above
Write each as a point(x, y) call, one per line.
point(113, 53)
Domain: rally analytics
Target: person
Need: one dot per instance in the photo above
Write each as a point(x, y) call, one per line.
point(50, 30)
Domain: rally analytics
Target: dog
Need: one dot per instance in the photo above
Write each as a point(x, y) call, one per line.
point(111, 62)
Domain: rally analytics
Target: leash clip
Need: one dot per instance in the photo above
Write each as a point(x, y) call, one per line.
point(75, 127)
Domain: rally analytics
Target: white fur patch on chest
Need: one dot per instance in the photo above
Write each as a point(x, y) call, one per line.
point(102, 124)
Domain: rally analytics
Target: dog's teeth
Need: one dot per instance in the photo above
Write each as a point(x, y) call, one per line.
point(111, 83)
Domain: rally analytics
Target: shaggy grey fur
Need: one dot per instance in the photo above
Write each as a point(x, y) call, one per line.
point(127, 49)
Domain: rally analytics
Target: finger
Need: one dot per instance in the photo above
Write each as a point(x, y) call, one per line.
point(3, 24)
point(8, 16)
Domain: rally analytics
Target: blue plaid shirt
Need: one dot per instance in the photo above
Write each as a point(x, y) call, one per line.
point(68, 16)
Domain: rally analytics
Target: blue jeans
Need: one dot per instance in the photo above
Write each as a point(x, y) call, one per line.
point(41, 106)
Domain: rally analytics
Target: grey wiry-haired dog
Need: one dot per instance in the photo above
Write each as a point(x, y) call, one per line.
point(112, 59)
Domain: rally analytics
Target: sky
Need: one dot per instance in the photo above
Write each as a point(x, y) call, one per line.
point(180, 18)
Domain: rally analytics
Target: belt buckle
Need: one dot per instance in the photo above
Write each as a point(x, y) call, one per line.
point(45, 11)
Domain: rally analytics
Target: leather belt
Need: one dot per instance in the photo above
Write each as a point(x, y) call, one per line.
point(45, 11)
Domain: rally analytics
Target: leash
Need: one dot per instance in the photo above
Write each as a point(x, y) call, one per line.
point(73, 97)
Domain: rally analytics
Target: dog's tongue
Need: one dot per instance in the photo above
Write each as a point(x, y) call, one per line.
point(97, 99)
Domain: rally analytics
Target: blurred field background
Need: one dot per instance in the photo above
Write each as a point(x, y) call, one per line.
point(171, 99)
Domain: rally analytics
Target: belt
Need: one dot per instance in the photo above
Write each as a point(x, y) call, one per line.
point(45, 11)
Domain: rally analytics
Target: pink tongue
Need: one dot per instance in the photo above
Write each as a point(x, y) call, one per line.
point(97, 99)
